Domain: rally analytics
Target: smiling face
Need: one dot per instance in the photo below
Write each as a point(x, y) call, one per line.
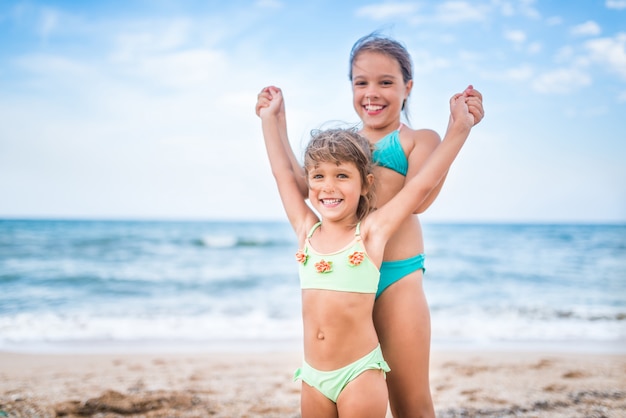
point(335, 190)
point(378, 90)
point(338, 165)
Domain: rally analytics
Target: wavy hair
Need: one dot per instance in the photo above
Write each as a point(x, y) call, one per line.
point(338, 145)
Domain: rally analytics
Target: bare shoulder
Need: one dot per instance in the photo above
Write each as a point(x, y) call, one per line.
point(374, 235)
point(302, 230)
point(423, 140)
point(424, 137)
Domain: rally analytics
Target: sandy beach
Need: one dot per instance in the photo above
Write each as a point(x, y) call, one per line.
point(464, 384)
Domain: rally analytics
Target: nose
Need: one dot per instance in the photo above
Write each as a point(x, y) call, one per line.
point(329, 185)
point(371, 93)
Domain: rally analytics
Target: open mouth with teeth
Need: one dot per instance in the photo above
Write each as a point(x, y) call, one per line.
point(331, 202)
point(371, 109)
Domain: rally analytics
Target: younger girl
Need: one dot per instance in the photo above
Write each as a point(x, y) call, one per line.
point(342, 242)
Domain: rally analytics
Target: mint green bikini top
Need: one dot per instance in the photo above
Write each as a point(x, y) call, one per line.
point(388, 153)
point(347, 270)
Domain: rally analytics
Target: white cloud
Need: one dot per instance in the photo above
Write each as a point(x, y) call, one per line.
point(554, 20)
point(564, 80)
point(469, 57)
point(589, 28)
point(528, 10)
point(425, 63)
point(514, 75)
point(524, 72)
point(449, 12)
point(460, 11)
point(616, 4)
point(387, 10)
point(506, 8)
point(535, 47)
point(190, 68)
point(610, 51)
point(148, 37)
point(49, 22)
point(48, 65)
point(517, 7)
point(516, 36)
point(621, 98)
point(565, 53)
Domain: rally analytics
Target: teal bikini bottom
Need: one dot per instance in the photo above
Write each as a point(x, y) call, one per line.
point(392, 271)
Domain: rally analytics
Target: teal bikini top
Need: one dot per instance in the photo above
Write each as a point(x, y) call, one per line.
point(388, 153)
point(347, 270)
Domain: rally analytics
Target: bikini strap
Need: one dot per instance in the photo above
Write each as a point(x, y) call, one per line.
point(313, 229)
point(357, 232)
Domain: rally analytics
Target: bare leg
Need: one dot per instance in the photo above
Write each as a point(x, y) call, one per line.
point(364, 397)
point(402, 321)
point(315, 405)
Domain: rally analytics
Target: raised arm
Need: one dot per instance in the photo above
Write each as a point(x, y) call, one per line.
point(263, 100)
point(298, 212)
point(426, 141)
point(474, 100)
point(418, 188)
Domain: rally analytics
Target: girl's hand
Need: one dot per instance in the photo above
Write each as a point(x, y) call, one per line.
point(467, 107)
point(460, 115)
point(270, 102)
point(475, 104)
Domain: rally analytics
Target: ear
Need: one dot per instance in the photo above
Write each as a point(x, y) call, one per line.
point(408, 88)
point(369, 180)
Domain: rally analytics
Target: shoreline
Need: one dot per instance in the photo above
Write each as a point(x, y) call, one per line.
point(253, 383)
point(271, 345)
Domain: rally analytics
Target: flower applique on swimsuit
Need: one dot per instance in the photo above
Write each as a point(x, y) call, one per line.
point(346, 270)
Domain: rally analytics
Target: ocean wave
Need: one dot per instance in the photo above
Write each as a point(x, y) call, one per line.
point(233, 322)
point(84, 326)
point(527, 311)
point(232, 241)
point(114, 281)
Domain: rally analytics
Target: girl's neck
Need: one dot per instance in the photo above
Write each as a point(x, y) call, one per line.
point(374, 134)
point(331, 236)
point(339, 226)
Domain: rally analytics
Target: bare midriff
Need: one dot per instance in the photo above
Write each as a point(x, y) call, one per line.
point(334, 330)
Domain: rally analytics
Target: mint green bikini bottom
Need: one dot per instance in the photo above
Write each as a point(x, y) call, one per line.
point(331, 383)
point(392, 271)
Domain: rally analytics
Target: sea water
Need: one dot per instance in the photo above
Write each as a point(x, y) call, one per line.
point(76, 285)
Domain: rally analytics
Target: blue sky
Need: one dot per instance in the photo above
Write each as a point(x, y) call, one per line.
point(145, 109)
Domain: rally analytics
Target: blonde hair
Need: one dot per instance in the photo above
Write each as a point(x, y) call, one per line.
point(340, 146)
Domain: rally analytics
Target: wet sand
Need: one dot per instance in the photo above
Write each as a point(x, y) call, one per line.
point(235, 384)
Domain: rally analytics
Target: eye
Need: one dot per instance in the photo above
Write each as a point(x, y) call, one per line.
point(386, 82)
point(342, 176)
point(316, 176)
point(360, 83)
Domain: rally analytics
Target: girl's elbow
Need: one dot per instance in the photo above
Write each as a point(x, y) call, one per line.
point(420, 209)
point(424, 205)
